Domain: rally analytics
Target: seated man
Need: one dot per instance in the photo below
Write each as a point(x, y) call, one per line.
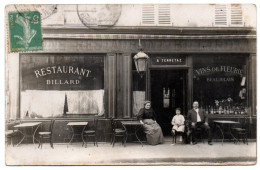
point(199, 118)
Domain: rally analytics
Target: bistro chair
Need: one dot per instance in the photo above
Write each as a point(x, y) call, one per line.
point(117, 132)
point(11, 133)
point(241, 132)
point(113, 123)
point(47, 135)
point(178, 134)
point(91, 133)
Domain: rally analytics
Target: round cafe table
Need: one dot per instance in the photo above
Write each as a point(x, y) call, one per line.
point(28, 130)
point(77, 129)
point(221, 124)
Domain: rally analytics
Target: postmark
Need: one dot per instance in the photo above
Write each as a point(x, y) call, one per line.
point(45, 10)
point(25, 31)
point(99, 16)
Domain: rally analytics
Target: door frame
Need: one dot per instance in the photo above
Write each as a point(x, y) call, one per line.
point(189, 79)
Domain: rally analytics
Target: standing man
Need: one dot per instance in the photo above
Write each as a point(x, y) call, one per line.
point(199, 118)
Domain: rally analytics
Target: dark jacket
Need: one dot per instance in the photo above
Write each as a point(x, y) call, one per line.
point(146, 114)
point(192, 116)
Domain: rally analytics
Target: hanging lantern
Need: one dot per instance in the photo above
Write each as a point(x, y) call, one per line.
point(140, 60)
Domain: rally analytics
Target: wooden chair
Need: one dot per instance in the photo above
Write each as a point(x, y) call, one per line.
point(91, 133)
point(47, 135)
point(117, 132)
point(241, 132)
point(178, 134)
point(10, 133)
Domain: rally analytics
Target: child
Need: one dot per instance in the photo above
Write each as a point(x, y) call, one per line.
point(178, 124)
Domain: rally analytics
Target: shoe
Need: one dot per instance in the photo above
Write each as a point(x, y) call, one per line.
point(194, 143)
point(173, 144)
point(210, 143)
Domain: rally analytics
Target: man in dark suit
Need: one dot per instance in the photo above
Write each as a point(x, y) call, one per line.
point(199, 118)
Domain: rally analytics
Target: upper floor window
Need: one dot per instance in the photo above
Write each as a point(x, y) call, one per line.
point(156, 15)
point(228, 15)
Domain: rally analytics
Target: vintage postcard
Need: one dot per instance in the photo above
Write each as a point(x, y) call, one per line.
point(130, 84)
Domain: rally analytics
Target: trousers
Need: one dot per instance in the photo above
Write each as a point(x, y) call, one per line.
point(204, 127)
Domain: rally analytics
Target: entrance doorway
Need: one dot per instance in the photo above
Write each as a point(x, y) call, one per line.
point(168, 92)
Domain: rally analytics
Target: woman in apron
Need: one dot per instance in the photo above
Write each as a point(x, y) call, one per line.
point(152, 129)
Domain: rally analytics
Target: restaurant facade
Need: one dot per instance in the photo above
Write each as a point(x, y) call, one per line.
point(88, 70)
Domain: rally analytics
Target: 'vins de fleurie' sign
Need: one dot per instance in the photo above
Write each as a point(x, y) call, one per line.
point(168, 60)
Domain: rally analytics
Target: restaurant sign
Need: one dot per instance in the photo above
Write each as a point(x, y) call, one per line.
point(67, 70)
point(169, 60)
point(62, 72)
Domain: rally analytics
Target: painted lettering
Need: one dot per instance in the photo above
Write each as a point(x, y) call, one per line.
point(37, 73)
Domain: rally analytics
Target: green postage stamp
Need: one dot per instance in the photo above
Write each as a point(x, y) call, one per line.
point(25, 31)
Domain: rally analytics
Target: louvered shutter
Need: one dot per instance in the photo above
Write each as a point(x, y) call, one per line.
point(220, 15)
point(236, 15)
point(148, 14)
point(164, 15)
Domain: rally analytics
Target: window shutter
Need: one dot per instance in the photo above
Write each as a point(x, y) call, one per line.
point(164, 15)
point(148, 14)
point(220, 15)
point(236, 16)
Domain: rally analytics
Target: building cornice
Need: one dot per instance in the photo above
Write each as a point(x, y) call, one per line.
point(143, 36)
point(152, 30)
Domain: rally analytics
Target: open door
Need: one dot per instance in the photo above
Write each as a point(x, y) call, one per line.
point(168, 91)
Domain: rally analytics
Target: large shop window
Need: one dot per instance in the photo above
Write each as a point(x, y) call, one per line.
point(61, 85)
point(220, 83)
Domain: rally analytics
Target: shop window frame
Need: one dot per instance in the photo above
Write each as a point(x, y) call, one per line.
point(69, 116)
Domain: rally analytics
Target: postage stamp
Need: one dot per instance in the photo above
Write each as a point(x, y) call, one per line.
point(25, 31)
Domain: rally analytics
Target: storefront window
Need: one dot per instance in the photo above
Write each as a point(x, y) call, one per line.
point(220, 83)
point(61, 85)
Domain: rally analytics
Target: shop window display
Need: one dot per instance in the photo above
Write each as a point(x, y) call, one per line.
point(220, 83)
point(61, 85)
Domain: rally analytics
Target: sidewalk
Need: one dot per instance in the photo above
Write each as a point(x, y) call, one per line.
point(132, 154)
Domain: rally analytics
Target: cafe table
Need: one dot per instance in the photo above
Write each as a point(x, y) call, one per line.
point(77, 129)
point(28, 130)
point(132, 124)
point(221, 124)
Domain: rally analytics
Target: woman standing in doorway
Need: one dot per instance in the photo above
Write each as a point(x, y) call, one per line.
point(152, 129)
